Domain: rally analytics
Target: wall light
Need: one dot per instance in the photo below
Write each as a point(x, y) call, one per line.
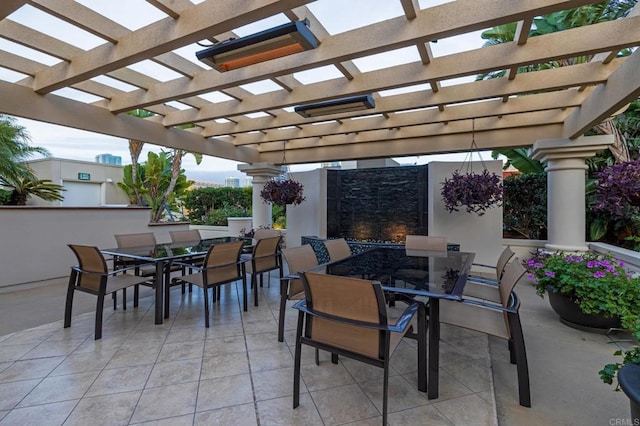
point(283, 40)
point(335, 106)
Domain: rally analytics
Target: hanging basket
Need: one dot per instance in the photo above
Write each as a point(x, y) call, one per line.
point(282, 192)
point(477, 192)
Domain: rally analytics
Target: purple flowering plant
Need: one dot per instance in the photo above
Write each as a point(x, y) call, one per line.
point(477, 192)
point(282, 192)
point(598, 283)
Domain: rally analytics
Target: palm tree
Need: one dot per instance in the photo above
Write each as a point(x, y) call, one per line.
point(25, 187)
point(15, 149)
point(135, 149)
point(558, 21)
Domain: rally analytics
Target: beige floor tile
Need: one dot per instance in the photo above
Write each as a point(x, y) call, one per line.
point(238, 415)
point(279, 412)
point(79, 363)
point(224, 365)
point(476, 375)
point(10, 353)
point(326, 375)
point(56, 348)
point(107, 344)
point(448, 386)
point(124, 379)
point(185, 334)
point(224, 392)
point(127, 358)
point(270, 359)
point(217, 330)
point(30, 369)
point(185, 420)
point(107, 410)
point(343, 405)
point(361, 371)
point(12, 393)
point(468, 410)
point(261, 341)
point(59, 388)
point(225, 345)
point(166, 401)
point(401, 394)
point(275, 384)
point(423, 415)
point(174, 372)
point(26, 337)
point(181, 350)
point(41, 415)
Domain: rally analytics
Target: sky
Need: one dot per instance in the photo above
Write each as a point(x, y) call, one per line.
point(68, 143)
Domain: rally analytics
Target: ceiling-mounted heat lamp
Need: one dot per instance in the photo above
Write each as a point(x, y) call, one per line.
point(336, 106)
point(292, 37)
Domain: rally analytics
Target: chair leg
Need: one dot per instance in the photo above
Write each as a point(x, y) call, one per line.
point(114, 296)
point(283, 307)
point(522, 367)
point(254, 286)
point(296, 364)
point(124, 299)
point(244, 292)
point(99, 308)
point(334, 358)
point(136, 295)
point(385, 392)
point(68, 306)
point(512, 353)
point(206, 306)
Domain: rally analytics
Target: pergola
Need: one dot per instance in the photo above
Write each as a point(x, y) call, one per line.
point(244, 109)
point(417, 111)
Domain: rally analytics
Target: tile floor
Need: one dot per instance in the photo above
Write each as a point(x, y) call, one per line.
point(234, 373)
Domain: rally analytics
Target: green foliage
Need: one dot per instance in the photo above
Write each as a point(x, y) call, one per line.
point(5, 197)
point(599, 284)
point(154, 182)
point(525, 205)
point(203, 203)
point(25, 187)
point(14, 150)
point(520, 159)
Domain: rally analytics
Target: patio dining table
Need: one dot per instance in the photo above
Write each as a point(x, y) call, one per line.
point(425, 275)
point(162, 255)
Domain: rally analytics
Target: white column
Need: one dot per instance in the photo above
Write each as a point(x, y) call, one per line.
point(566, 170)
point(261, 173)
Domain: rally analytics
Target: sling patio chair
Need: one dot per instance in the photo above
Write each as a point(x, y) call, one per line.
point(337, 248)
point(497, 319)
point(265, 257)
point(486, 288)
point(222, 265)
point(298, 259)
point(348, 317)
point(92, 276)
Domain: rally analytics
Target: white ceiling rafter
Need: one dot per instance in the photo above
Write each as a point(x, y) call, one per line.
point(430, 115)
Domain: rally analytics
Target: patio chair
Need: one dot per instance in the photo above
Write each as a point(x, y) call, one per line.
point(222, 265)
point(92, 276)
point(299, 259)
point(348, 316)
point(501, 320)
point(264, 257)
point(337, 248)
point(425, 243)
point(262, 233)
point(188, 236)
point(141, 239)
point(483, 287)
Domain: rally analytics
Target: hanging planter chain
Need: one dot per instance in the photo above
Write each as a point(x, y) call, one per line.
point(477, 192)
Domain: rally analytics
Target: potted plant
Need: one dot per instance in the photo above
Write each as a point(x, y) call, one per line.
point(282, 192)
point(476, 191)
point(589, 291)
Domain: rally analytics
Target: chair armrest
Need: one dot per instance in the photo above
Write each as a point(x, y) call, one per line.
point(492, 306)
point(482, 280)
point(398, 327)
point(112, 272)
point(290, 277)
point(484, 266)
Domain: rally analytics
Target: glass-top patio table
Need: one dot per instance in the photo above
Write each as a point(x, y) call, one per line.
point(419, 274)
point(162, 255)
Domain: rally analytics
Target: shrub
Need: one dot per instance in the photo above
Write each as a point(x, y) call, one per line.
point(525, 205)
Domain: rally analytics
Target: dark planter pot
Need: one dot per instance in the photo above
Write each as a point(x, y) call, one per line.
point(571, 315)
point(629, 380)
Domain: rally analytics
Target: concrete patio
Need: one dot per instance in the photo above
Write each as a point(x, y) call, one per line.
point(237, 373)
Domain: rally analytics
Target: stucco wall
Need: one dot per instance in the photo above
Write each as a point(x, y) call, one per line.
point(310, 217)
point(33, 240)
point(479, 234)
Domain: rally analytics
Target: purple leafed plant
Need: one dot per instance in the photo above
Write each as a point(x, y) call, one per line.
point(476, 191)
point(282, 192)
point(618, 190)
